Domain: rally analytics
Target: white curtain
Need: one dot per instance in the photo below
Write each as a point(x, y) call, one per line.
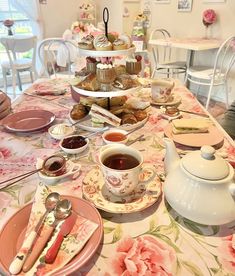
point(32, 9)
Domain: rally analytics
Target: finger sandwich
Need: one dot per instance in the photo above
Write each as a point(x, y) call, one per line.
point(180, 126)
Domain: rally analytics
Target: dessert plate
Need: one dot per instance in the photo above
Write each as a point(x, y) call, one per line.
point(28, 120)
point(175, 101)
point(112, 53)
point(13, 232)
point(213, 137)
point(145, 195)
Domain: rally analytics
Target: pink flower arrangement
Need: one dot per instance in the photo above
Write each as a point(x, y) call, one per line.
point(209, 17)
point(144, 255)
point(227, 253)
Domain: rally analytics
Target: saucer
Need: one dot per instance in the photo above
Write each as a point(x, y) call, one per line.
point(71, 169)
point(145, 195)
point(175, 101)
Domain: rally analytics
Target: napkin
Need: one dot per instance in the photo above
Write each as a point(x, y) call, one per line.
point(72, 244)
point(51, 87)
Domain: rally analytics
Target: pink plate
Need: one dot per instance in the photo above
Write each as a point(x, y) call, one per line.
point(212, 138)
point(11, 236)
point(28, 120)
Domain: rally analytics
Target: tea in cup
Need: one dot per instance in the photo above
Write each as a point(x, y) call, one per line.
point(161, 91)
point(121, 166)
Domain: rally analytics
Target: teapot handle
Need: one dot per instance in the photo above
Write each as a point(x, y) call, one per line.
point(232, 189)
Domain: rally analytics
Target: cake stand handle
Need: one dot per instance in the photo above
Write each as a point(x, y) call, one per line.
point(106, 20)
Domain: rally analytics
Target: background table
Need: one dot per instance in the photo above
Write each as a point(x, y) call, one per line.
point(156, 239)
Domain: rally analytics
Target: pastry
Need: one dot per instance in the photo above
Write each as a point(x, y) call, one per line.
point(125, 82)
point(90, 83)
point(78, 112)
point(101, 43)
point(105, 73)
point(119, 44)
point(120, 69)
point(136, 103)
point(86, 42)
point(133, 65)
point(126, 38)
point(140, 115)
point(128, 119)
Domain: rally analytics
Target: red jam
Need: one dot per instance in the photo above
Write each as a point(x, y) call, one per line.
point(74, 142)
point(115, 137)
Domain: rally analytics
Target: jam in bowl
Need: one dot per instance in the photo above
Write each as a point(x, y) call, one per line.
point(74, 144)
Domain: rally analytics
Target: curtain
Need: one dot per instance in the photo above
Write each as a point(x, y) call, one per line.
point(32, 9)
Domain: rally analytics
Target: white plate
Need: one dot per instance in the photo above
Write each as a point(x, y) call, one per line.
point(100, 94)
point(71, 169)
point(94, 53)
point(87, 125)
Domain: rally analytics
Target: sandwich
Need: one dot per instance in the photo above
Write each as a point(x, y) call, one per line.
point(180, 126)
point(104, 115)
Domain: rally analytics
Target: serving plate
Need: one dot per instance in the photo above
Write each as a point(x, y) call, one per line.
point(100, 94)
point(213, 137)
point(145, 195)
point(28, 120)
point(87, 125)
point(12, 235)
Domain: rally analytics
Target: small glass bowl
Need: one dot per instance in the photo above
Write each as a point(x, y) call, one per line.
point(54, 165)
point(115, 135)
point(133, 68)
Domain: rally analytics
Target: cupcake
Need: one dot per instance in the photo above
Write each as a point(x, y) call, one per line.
point(119, 44)
point(101, 43)
point(91, 64)
point(86, 42)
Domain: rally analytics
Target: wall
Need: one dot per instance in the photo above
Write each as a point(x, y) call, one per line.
point(189, 24)
point(58, 15)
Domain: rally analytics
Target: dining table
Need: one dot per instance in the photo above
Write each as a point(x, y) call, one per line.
point(141, 236)
point(191, 44)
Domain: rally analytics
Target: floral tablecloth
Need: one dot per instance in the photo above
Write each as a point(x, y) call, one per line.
point(154, 241)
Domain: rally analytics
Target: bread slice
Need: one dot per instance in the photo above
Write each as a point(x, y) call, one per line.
point(104, 115)
point(180, 126)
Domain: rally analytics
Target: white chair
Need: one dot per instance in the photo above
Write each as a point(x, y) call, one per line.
point(16, 47)
point(163, 56)
point(57, 50)
point(216, 75)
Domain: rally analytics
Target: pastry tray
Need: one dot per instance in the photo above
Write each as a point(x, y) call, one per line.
point(113, 53)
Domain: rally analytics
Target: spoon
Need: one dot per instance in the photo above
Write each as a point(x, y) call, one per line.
point(62, 211)
point(26, 248)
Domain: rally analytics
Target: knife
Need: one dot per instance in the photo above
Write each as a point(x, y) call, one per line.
point(65, 229)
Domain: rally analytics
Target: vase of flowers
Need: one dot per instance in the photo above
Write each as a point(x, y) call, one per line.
point(208, 18)
point(8, 23)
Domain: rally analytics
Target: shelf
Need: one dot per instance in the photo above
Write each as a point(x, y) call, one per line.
point(94, 53)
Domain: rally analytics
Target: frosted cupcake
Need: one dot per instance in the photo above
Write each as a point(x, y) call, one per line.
point(119, 44)
point(86, 42)
point(101, 43)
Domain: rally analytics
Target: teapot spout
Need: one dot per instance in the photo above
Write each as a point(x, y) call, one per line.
point(171, 156)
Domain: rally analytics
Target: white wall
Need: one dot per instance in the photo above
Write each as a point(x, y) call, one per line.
point(189, 24)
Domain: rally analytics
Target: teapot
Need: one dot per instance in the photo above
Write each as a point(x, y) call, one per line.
point(200, 186)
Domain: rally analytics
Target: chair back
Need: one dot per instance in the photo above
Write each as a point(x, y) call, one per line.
point(224, 60)
point(161, 54)
point(19, 44)
point(47, 53)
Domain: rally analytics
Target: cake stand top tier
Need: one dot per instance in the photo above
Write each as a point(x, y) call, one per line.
point(113, 53)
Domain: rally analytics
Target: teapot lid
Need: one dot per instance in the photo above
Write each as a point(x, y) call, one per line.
point(206, 164)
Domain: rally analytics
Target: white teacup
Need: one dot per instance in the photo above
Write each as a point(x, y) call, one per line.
point(161, 90)
point(120, 182)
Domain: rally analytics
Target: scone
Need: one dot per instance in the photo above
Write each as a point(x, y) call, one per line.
point(101, 43)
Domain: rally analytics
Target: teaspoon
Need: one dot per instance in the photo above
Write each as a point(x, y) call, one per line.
point(62, 211)
point(26, 248)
